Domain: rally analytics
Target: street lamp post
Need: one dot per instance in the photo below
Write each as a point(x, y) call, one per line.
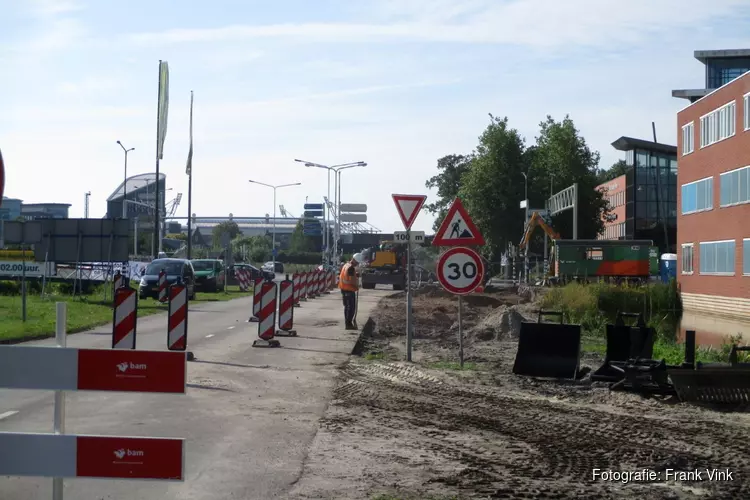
point(273, 231)
point(526, 221)
point(337, 195)
point(125, 181)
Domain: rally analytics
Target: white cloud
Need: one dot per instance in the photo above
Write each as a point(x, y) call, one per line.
point(536, 23)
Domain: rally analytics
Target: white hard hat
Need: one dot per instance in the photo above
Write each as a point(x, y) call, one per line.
point(358, 257)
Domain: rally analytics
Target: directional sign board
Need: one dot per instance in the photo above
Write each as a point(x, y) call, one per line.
point(414, 236)
point(313, 206)
point(408, 206)
point(313, 213)
point(353, 207)
point(353, 217)
point(460, 270)
point(457, 228)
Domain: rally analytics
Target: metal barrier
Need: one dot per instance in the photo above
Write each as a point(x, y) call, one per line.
point(124, 318)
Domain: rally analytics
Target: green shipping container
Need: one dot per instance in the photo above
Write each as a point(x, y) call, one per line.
point(605, 258)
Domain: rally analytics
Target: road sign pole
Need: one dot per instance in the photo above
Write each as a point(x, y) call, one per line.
point(60, 337)
point(460, 333)
point(408, 297)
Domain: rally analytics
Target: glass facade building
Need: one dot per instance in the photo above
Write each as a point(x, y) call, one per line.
point(721, 67)
point(651, 192)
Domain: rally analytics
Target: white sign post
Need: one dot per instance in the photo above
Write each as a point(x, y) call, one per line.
point(408, 207)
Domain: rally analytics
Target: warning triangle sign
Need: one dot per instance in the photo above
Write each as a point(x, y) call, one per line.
point(408, 206)
point(457, 229)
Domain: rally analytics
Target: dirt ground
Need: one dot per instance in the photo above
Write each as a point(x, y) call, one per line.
point(425, 430)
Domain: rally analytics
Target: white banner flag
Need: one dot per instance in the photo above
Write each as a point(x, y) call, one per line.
point(163, 107)
point(189, 169)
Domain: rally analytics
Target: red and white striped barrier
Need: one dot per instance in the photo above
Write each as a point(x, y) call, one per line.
point(243, 279)
point(177, 318)
point(310, 285)
point(322, 282)
point(125, 318)
point(257, 285)
point(267, 316)
point(305, 286)
point(286, 309)
point(118, 281)
point(162, 286)
point(296, 281)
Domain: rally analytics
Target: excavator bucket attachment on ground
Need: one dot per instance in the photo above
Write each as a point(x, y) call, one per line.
point(548, 349)
point(716, 383)
point(624, 343)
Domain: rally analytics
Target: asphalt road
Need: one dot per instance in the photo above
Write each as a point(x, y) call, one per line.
point(248, 417)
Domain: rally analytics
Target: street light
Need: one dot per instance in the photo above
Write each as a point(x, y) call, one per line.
point(337, 191)
point(125, 181)
point(526, 221)
point(273, 232)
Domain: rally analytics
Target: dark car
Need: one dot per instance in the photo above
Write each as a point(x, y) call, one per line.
point(254, 272)
point(175, 268)
point(209, 275)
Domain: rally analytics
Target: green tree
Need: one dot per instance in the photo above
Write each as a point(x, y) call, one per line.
point(616, 170)
point(562, 155)
point(252, 248)
point(493, 186)
point(228, 226)
point(451, 169)
point(301, 242)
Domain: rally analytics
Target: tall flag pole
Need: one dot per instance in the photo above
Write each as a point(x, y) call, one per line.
point(189, 172)
point(161, 134)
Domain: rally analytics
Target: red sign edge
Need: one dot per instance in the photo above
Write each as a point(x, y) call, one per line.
point(457, 206)
point(455, 250)
point(419, 198)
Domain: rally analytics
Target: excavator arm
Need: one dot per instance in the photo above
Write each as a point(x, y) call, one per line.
point(536, 220)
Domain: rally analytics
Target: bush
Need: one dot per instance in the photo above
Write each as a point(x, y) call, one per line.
point(596, 304)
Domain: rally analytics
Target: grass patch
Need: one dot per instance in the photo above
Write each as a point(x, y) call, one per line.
point(84, 312)
point(375, 356)
point(450, 365)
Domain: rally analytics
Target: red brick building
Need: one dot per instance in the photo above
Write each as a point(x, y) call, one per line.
point(713, 216)
point(615, 193)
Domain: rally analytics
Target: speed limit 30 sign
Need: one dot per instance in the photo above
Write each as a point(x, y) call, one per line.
point(460, 270)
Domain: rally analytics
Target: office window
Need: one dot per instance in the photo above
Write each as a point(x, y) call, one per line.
point(718, 124)
point(697, 196)
point(746, 256)
point(687, 138)
point(735, 187)
point(717, 257)
point(746, 116)
point(687, 258)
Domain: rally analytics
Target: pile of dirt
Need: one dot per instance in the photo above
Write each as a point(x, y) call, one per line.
point(501, 323)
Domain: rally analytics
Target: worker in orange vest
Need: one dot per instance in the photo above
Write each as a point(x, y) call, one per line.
point(348, 284)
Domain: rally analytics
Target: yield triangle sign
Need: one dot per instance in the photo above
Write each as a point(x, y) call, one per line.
point(457, 228)
point(408, 206)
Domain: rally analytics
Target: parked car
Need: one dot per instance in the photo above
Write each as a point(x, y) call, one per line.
point(209, 275)
point(175, 268)
point(268, 266)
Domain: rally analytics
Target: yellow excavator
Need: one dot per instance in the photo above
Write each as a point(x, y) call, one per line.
point(536, 220)
point(385, 265)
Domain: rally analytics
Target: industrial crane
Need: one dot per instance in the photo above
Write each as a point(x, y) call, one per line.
point(171, 207)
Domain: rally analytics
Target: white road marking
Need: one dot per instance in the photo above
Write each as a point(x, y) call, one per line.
point(209, 336)
point(231, 328)
point(7, 414)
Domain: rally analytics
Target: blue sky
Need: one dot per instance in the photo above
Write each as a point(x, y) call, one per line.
point(395, 83)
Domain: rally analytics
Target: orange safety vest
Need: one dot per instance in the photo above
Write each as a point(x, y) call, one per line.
point(347, 283)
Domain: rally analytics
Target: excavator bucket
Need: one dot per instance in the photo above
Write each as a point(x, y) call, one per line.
point(623, 343)
point(548, 349)
point(715, 383)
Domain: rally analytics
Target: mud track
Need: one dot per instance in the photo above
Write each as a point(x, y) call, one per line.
point(517, 446)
